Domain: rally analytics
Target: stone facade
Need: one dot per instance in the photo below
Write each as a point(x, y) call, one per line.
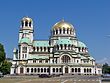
point(62, 53)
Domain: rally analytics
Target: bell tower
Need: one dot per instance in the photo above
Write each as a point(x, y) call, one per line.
point(26, 29)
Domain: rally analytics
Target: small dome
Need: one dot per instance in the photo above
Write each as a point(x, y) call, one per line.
point(63, 24)
point(64, 41)
point(27, 19)
point(81, 44)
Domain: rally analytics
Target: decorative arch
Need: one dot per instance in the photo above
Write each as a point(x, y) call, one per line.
point(65, 59)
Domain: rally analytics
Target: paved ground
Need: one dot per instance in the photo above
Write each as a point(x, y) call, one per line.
point(77, 79)
point(50, 80)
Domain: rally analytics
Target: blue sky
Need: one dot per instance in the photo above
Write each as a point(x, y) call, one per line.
point(91, 19)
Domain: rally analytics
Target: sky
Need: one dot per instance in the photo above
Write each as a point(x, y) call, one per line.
point(90, 18)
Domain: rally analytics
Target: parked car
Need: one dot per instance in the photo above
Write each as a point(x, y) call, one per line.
point(44, 76)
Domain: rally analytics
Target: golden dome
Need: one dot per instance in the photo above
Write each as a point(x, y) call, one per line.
point(62, 24)
point(27, 19)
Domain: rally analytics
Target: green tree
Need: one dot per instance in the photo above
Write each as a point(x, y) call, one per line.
point(2, 54)
point(5, 69)
point(4, 64)
point(105, 69)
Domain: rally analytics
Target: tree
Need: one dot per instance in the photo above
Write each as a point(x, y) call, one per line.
point(2, 54)
point(5, 69)
point(105, 69)
point(4, 64)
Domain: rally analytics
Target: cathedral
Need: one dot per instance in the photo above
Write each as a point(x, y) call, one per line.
point(63, 53)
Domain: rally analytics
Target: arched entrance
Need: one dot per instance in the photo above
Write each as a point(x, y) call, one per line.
point(66, 69)
point(21, 70)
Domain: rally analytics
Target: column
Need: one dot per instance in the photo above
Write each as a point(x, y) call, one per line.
point(51, 72)
point(58, 31)
point(12, 70)
point(69, 70)
point(63, 69)
point(82, 70)
point(65, 31)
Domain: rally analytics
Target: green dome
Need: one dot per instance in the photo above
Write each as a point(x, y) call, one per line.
point(64, 41)
point(41, 43)
point(81, 44)
point(25, 40)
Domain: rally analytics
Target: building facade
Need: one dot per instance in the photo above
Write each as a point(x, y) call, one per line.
point(62, 53)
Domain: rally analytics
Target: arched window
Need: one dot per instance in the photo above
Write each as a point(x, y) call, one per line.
point(34, 60)
point(84, 70)
point(87, 70)
point(48, 69)
point(75, 69)
point(38, 69)
point(57, 47)
point(60, 70)
point(64, 31)
point(70, 31)
point(60, 31)
point(77, 61)
point(56, 31)
point(40, 60)
point(41, 49)
point(61, 46)
point(31, 70)
point(26, 23)
point(65, 59)
point(65, 46)
point(69, 47)
point(44, 69)
point(72, 69)
point(37, 49)
point(79, 70)
point(33, 48)
point(48, 49)
point(41, 69)
point(30, 24)
point(44, 49)
point(24, 49)
point(79, 49)
point(56, 69)
point(82, 49)
point(90, 70)
point(35, 70)
point(46, 61)
point(28, 70)
point(53, 69)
